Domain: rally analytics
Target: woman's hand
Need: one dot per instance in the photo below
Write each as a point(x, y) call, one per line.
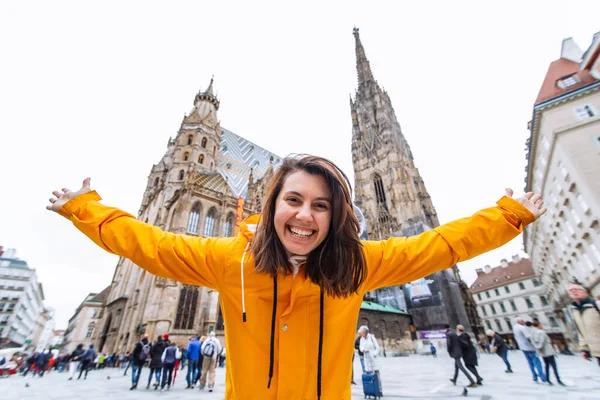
point(61, 197)
point(533, 202)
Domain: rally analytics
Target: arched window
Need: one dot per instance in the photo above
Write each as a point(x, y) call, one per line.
point(211, 164)
point(201, 159)
point(190, 139)
point(229, 226)
point(90, 330)
point(186, 156)
point(209, 223)
point(379, 192)
point(193, 220)
point(156, 181)
point(186, 310)
point(203, 143)
point(181, 174)
point(214, 151)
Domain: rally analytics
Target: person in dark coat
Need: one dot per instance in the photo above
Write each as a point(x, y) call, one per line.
point(498, 346)
point(454, 350)
point(469, 354)
point(87, 358)
point(156, 363)
point(138, 358)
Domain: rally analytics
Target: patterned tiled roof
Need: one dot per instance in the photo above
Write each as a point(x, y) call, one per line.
point(237, 157)
point(213, 181)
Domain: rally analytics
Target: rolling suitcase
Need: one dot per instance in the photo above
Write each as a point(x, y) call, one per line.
point(371, 385)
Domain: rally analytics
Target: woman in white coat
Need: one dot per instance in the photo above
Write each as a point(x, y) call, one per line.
point(370, 349)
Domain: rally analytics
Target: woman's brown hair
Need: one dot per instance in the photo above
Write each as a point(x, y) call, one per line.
point(338, 264)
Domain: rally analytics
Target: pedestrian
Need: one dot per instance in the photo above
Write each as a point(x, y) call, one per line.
point(222, 358)
point(127, 359)
point(211, 347)
point(586, 315)
point(305, 246)
point(469, 353)
point(522, 333)
point(193, 355)
point(74, 360)
point(370, 350)
point(183, 351)
point(168, 358)
point(140, 354)
point(455, 351)
point(498, 346)
point(433, 350)
point(541, 341)
point(156, 352)
point(30, 363)
point(87, 358)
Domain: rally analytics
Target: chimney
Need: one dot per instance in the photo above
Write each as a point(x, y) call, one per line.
point(479, 271)
point(570, 51)
point(504, 263)
point(487, 269)
point(516, 258)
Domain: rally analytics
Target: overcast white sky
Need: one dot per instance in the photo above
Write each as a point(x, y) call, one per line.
point(97, 88)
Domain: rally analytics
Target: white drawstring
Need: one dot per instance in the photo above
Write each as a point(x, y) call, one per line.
point(242, 275)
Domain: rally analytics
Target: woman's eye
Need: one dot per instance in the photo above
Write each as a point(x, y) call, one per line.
point(321, 206)
point(292, 200)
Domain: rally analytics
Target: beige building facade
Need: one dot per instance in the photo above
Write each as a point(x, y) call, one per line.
point(564, 165)
point(83, 324)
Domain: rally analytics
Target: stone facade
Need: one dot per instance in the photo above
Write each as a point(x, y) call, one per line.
point(84, 323)
point(193, 190)
point(392, 195)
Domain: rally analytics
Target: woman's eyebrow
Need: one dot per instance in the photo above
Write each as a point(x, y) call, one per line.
point(300, 195)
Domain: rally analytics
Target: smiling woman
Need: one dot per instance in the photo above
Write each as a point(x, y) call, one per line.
point(302, 272)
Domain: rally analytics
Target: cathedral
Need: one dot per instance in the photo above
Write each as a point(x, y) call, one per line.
point(210, 178)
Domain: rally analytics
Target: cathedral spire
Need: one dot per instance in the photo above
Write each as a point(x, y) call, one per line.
point(362, 64)
point(210, 87)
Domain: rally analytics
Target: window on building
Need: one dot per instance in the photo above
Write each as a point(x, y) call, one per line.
point(190, 139)
point(553, 322)
point(379, 191)
point(2, 306)
point(156, 181)
point(513, 306)
point(95, 314)
point(186, 309)
point(567, 81)
point(585, 111)
point(488, 324)
point(499, 325)
point(11, 307)
point(229, 226)
point(209, 224)
point(502, 307)
point(186, 156)
point(521, 286)
point(507, 320)
point(487, 294)
point(193, 219)
point(203, 144)
point(493, 309)
point(536, 283)
point(497, 292)
point(544, 300)
point(506, 289)
point(181, 175)
point(479, 296)
point(90, 332)
point(529, 302)
point(484, 311)
point(201, 159)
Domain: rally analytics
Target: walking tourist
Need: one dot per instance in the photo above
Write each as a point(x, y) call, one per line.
point(193, 355)
point(301, 267)
point(74, 360)
point(541, 341)
point(522, 334)
point(370, 350)
point(168, 358)
point(87, 358)
point(211, 347)
point(586, 315)
point(469, 354)
point(498, 346)
point(455, 351)
point(140, 354)
point(156, 352)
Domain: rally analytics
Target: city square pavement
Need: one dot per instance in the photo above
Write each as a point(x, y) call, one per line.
point(414, 377)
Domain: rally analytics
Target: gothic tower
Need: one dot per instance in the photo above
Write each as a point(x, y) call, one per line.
point(185, 194)
point(392, 195)
point(389, 188)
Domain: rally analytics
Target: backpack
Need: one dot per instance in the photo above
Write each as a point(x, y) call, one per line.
point(144, 352)
point(208, 349)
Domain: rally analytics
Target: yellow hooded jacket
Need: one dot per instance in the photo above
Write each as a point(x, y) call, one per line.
point(225, 264)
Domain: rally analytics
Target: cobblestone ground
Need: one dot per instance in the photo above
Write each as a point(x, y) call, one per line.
point(414, 377)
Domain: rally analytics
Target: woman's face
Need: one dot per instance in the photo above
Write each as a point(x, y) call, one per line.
point(303, 212)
